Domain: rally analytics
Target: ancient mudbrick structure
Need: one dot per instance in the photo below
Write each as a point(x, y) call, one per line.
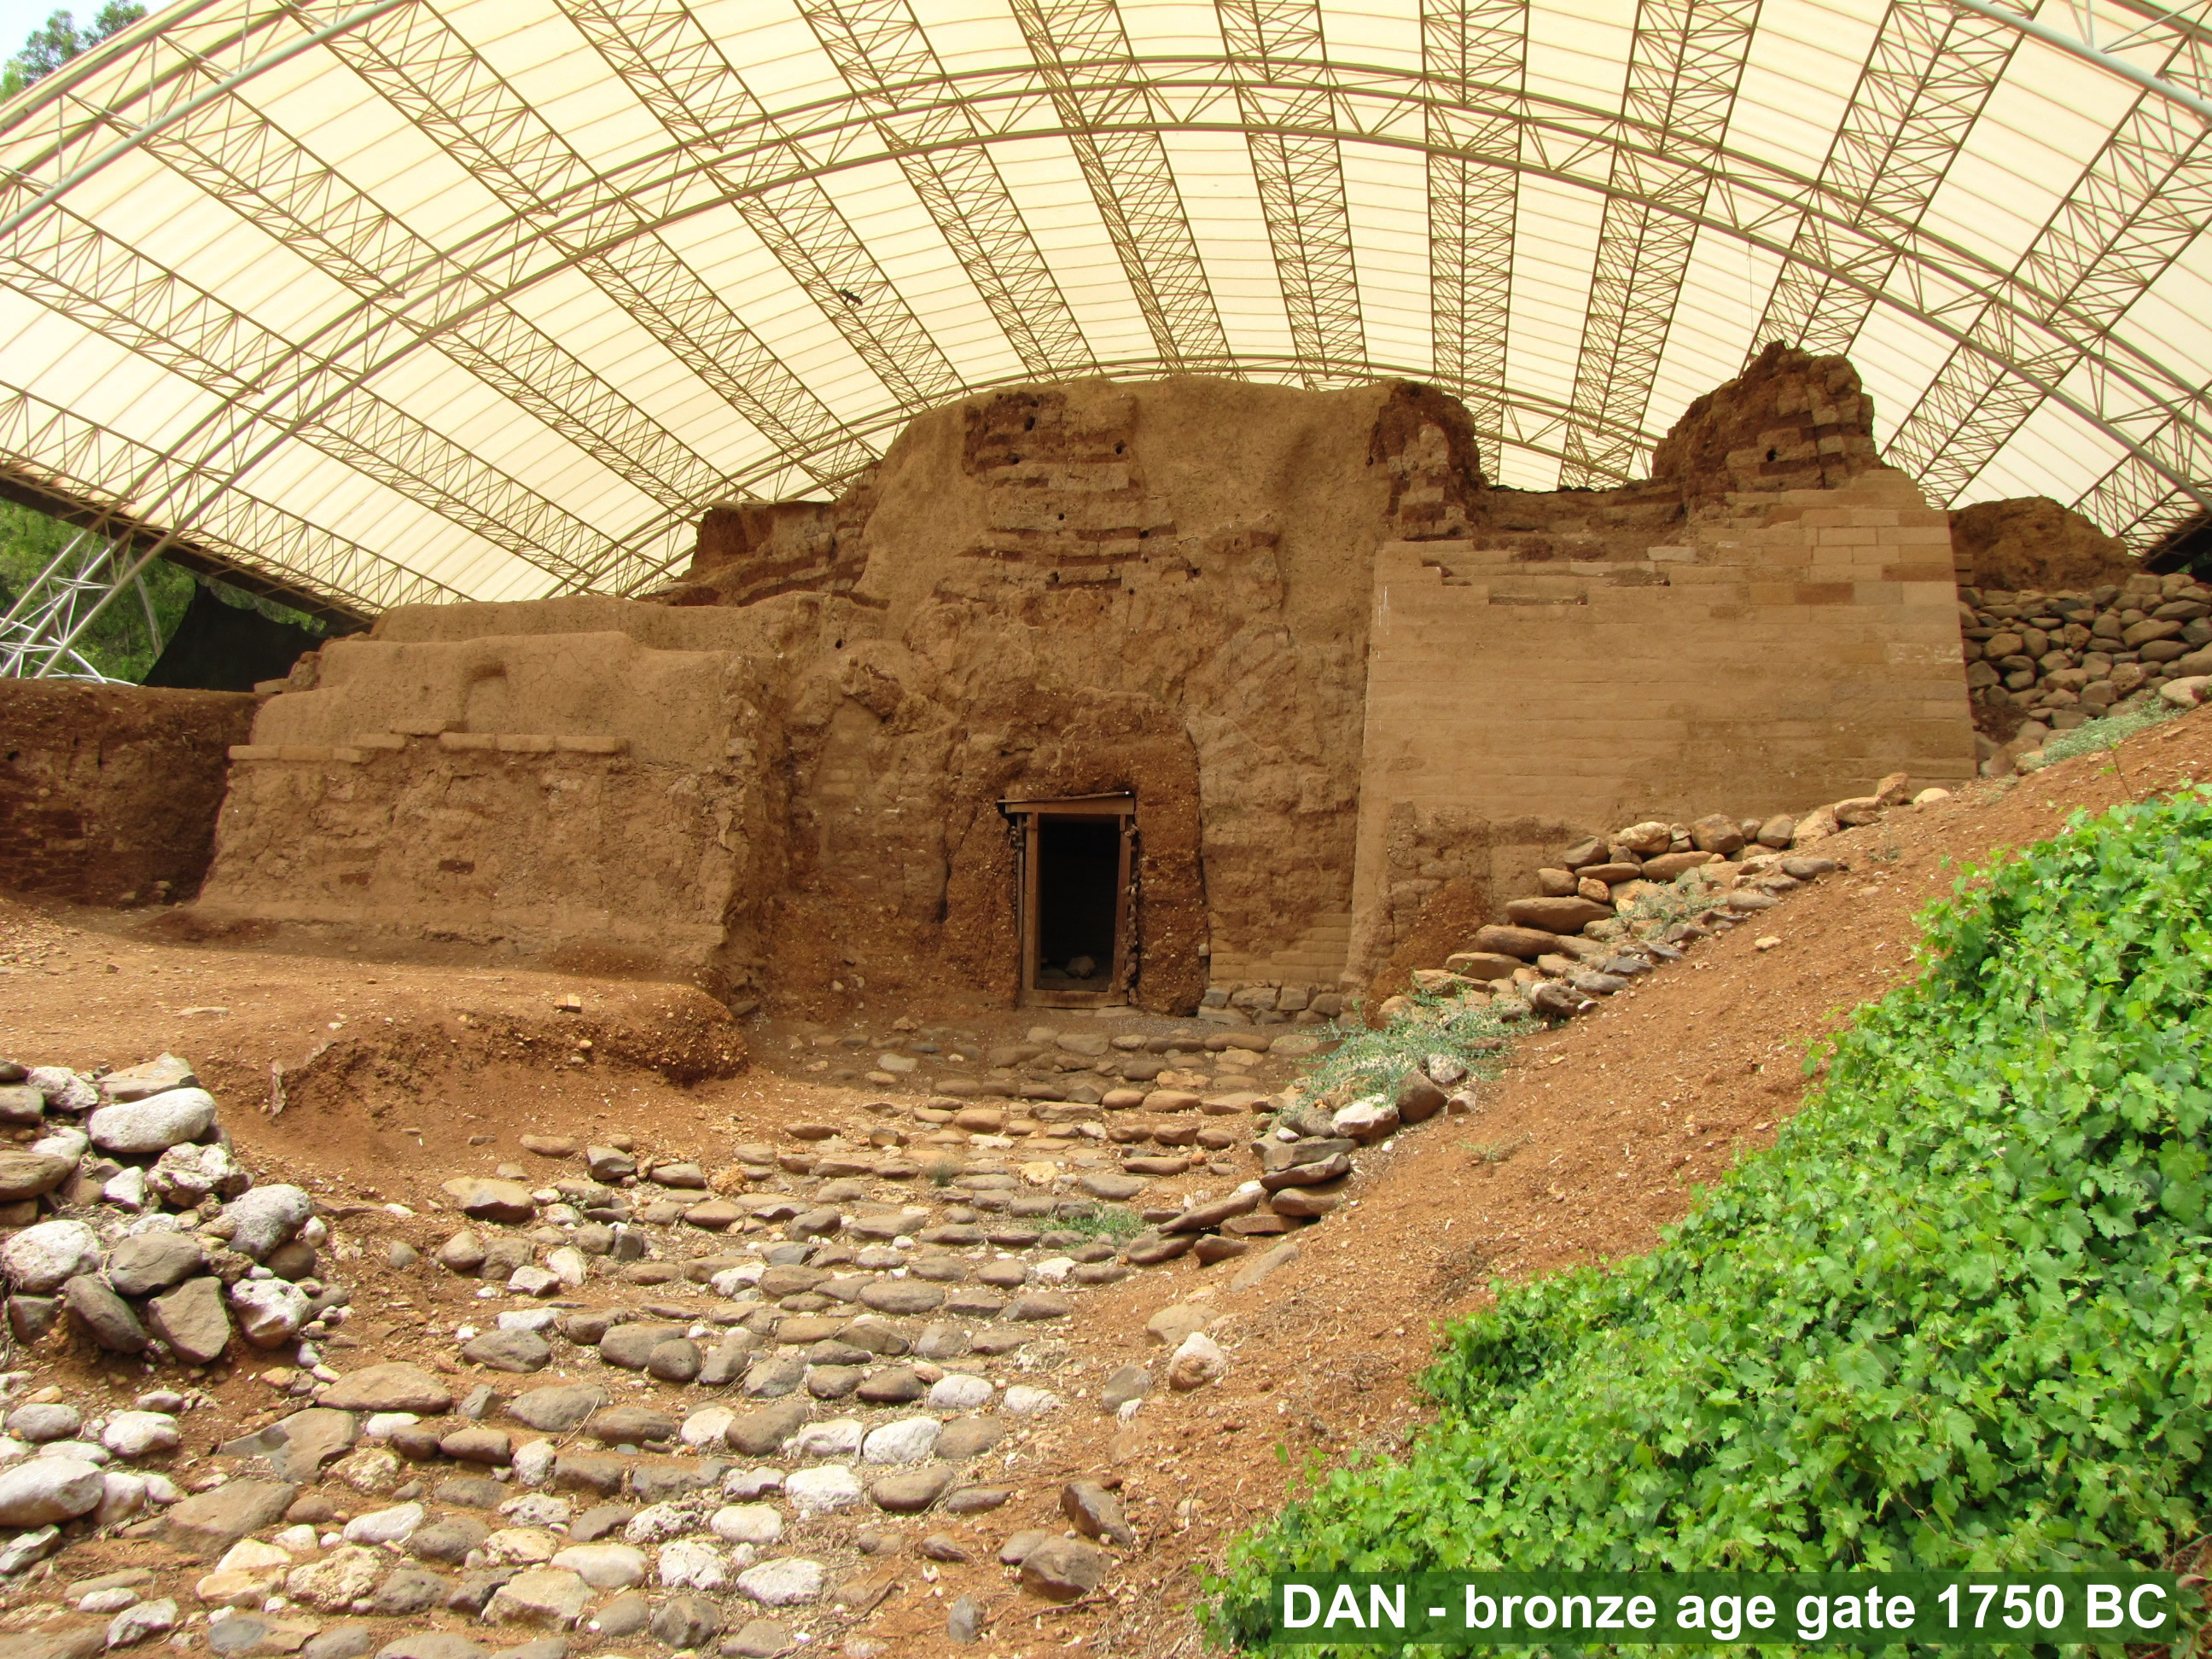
point(108, 793)
point(1102, 691)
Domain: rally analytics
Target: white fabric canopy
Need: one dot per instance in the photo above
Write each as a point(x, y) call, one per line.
point(421, 299)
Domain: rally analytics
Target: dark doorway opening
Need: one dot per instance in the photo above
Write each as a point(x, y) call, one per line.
point(1079, 889)
point(1075, 899)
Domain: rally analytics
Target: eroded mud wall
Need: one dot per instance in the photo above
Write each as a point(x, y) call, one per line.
point(108, 793)
point(1096, 587)
point(585, 782)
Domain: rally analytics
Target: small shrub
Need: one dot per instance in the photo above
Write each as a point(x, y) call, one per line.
point(1102, 1221)
point(2122, 723)
point(1372, 1061)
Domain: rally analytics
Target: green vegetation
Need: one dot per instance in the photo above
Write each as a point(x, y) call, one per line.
point(58, 39)
point(1957, 1317)
point(117, 644)
point(1102, 1221)
point(2125, 722)
point(1373, 1061)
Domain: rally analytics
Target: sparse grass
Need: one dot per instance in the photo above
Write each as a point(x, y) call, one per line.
point(1102, 1221)
point(2122, 723)
point(1492, 1152)
point(1683, 899)
point(1374, 1061)
point(941, 1170)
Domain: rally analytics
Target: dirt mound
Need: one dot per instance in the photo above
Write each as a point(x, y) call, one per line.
point(2034, 545)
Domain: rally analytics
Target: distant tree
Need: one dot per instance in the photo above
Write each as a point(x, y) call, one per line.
point(58, 39)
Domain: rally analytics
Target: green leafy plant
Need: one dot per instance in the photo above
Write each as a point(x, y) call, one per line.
point(1959, 1315)
point(1102, 1221)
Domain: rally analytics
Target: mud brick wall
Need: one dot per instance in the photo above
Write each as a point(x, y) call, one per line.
point(108, 793)
point(1789, 650)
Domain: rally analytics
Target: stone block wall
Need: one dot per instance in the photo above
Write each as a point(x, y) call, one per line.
point(1788, 649)
point(108, 793)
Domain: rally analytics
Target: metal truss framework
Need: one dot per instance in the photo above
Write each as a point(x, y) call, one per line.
point(2049, 332)
point(1466, 45)
point(879, 45)
point(1083, 53)
point(1301, 179)
point(2139, 204)
point(1683, 70)
point(38, 632)
point(1929, 74)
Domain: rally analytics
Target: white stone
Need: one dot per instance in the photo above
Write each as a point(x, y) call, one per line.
point(1199, 1360)
point(532, 1280)
point(537, 1509)
point(820, 1490)
point(910, 1440)
point(28, 1548)
point(252, 1555)
point(57, 1421)
point(747, 1523)
point(552, 1598)
point(66, 1091)
point(71, 1144)
point(298, 1539)
point(533, 1462)
point(270, 1311)
point(141, 1434)
point(523, 1545)
point(603, 1566)
point(382, 1425)
point(785, 1583)
point(1054, 1269)
point(656, 1522)
point(838, 1438)
point(959, 1391)
point(122, 1495)
point(705, 1427)
point(266, 1218)
point(142, 1618)
point(155, 1124)
point(744, 1484)
point(183, 1175)
point(39, 1259)
point(692, 1563)
point(568, 1264)
point(528, 1319)
point(1022, 1401)
point(114, 1599)
point(126, 1191)
point(337, 1580)
point(48, 1489)
point(393, 1526)
point(84, 1451)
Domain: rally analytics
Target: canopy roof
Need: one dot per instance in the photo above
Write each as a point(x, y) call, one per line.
point(413, 299)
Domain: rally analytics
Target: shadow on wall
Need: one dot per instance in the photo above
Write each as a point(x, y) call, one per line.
point(223, 648)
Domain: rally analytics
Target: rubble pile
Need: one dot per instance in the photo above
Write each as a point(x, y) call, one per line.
point(2040, 663)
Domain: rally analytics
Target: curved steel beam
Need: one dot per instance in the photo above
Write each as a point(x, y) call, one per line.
point(1396, 121)
point(2089, 52)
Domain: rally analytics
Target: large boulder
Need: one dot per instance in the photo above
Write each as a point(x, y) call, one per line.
point(44, 1258)
point(1555, 915)
point(1522, 944)
point(154, 1124)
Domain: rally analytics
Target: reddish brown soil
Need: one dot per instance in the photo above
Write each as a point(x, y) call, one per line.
point(1598, 1135)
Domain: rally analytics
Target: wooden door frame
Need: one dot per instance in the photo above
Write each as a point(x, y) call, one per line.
point(1025, 817)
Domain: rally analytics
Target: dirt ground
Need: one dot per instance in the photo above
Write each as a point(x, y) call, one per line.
point(396, 1076)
